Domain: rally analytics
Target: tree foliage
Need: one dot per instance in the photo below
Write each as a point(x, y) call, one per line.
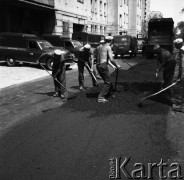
point(180, 27)
point(182, 11)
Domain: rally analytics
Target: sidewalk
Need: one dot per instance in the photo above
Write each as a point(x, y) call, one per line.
point(22, 73)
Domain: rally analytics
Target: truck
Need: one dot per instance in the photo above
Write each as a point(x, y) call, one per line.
point(124, 45)
point(160, 31)
point(27, 48)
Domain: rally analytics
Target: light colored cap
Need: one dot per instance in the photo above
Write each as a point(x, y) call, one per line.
point(156, 46)
point(178, 41)
point(102, 41)
point(58, 52)
point(87, 46)
point(109, 38)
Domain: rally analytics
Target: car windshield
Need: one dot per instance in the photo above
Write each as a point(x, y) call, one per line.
point(77, 44)
point(45, 44)
point(120, 39)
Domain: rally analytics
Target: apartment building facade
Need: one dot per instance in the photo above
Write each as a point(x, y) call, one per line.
point(117, 21)
point(28, 16)
point(64, 17)
point(138, 13)
point(80, 15)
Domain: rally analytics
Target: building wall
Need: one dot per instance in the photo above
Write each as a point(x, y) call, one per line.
point(146, 9)
point(88, 16)
point(26, 17)
point(117, 16)
point(46, 2)
point(97, 19)
point(135, 17)
point(64, 17)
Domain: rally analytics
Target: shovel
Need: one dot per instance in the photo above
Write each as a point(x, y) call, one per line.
point(70, 94)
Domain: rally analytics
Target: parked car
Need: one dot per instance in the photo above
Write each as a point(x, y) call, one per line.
point(63, 41)
point(124, 45)
point(88, 38)
point(18, 47)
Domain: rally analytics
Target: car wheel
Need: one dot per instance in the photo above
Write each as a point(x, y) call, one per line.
point(67, 66)
point(10, 61)
point(49, 64)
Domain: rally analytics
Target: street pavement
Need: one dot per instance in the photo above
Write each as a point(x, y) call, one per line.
point(76, 141)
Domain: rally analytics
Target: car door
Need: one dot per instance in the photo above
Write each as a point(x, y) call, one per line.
point(34, 51)
point(69, 46)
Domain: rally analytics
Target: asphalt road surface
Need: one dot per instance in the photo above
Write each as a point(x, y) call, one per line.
point(85, 140)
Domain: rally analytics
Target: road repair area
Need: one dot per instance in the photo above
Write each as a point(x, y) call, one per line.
point(79, 139)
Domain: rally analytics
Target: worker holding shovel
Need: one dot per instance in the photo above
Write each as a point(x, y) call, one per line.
point(167, 63)
point(58, 72)
point(85, 59)
point(104, 57)
point(178, 43)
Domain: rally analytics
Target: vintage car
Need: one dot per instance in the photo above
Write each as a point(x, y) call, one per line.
point(18, 47)
point(65, 42)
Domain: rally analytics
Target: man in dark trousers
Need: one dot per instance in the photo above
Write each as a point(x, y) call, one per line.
point(178, 43)
point(167, 63)
point(58, 70)
point(59, 73)
point(103, 58)
point(85, 55)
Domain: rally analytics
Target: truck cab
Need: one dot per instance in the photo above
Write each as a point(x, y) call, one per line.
point(124, 45)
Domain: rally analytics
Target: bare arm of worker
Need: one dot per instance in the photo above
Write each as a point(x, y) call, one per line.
point(109, 53)
point(181, 60)
point(92, 61)
point(114, 67)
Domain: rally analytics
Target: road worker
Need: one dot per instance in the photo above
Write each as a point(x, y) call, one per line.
point(103, 58)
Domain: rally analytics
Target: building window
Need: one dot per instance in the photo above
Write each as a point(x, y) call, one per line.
point(65, 28)
point(100, 6)
point(91, 28)
point(105, 9)
point(120, 20)
point(101, 30)
point(95, 28)
point(81, 1)
point(104, 30)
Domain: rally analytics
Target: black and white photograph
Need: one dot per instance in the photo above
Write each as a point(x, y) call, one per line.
point(91, 89)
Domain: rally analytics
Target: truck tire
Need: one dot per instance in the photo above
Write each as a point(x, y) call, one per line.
point(10, 61)
point(149, 55)
point(115, 56)
point(67, 66)
point(49, 63)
